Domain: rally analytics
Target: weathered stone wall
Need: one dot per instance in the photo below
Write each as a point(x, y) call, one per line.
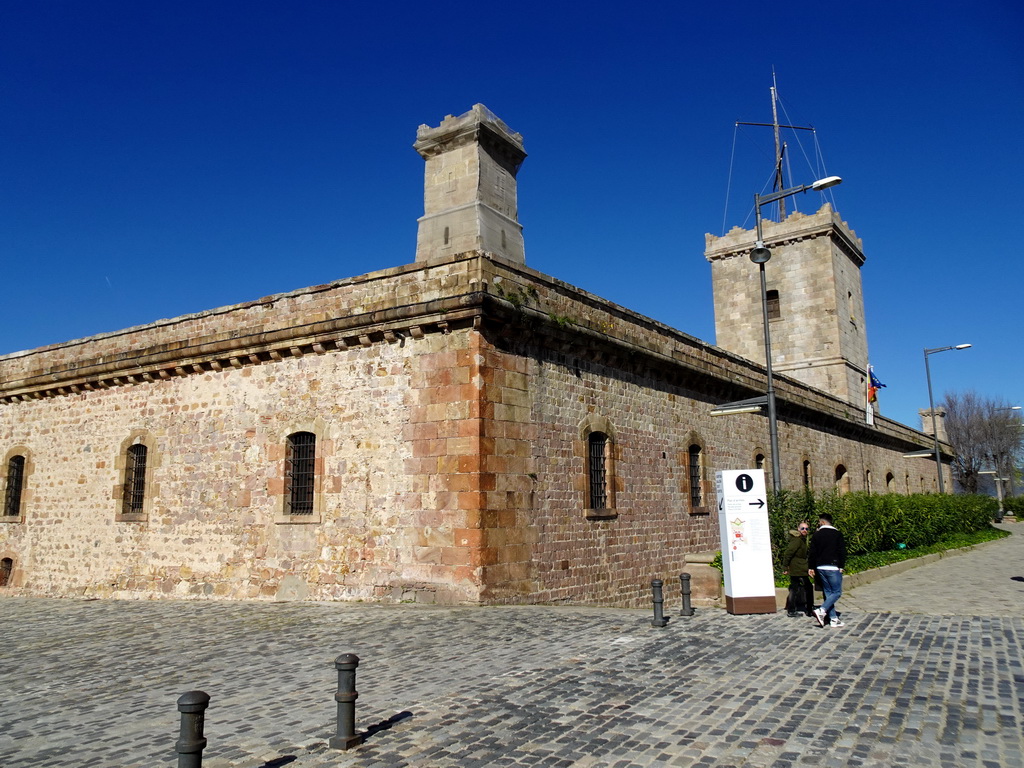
point(450, 441)
point(217, 450)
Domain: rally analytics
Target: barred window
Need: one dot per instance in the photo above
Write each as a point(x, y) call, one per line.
point(597, 450)
point(134, 497)
point(696, 478)
point(300, 473)
point(15, 485)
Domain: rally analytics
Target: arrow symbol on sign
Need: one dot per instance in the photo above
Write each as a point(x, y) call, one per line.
point(759, 503)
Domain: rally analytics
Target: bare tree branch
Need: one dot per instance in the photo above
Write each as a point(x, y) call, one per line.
point(985, 435)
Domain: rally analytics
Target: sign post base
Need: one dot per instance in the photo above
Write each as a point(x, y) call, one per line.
point(738, 605)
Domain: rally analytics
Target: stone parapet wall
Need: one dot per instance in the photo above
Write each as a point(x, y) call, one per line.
point(338, 312)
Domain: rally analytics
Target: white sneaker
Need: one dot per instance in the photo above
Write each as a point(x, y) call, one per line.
point(838, 623)
point(819, 616)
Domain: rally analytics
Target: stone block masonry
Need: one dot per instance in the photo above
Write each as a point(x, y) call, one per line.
point(451, 466)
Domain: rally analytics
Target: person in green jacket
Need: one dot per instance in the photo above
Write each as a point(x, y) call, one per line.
point(794, 563)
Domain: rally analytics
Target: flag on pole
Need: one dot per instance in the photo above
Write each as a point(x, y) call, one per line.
point(874, 385)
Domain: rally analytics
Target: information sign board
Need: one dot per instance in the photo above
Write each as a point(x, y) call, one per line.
point(746, 541)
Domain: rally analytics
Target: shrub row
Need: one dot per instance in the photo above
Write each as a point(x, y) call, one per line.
point(878, 523)
point(1014, 505)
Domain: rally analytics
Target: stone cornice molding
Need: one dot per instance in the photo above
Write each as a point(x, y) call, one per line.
point(480, 126)
point(794, 229)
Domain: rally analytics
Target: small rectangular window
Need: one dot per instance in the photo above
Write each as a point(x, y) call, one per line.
point(774, 310)
point(15, 485)
point(696, 478)
point(300, 473)
point(134, 496)
point(598, 443)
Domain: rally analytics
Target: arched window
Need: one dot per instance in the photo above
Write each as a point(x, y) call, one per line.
point(890, 482)
point(300, 473)
point(597, 470)
point(759, 461)
point(133, 499)
point(807, 474)
point(15, 486)
point(596, 447)
point(867, 480)
point(6, 569)
point(842, 479)
point(696, 476)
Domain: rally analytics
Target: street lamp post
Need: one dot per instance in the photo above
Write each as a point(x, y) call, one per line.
point(1010, 459)
point(931, 407)
point(760, 256)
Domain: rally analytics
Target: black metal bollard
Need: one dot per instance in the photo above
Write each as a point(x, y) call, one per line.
point(684, 583)
point(191, 743)
point(346, 696)
point(659, 604)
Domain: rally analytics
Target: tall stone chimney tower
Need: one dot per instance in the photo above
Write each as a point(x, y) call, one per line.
point(815, 301)
point(940, 423)
point(469, 191)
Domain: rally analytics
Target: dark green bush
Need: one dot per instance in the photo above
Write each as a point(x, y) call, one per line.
point(879, 523)
point(1014, 505)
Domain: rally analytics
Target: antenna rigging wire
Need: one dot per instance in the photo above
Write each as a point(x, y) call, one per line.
point(728, 186)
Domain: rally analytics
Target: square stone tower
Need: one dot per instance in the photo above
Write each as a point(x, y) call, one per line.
point(815, 300)
point(469, 195)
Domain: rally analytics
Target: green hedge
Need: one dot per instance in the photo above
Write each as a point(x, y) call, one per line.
point(1014, 505)
point(879, 523)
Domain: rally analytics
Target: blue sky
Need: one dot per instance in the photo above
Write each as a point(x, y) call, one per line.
point(162, 158)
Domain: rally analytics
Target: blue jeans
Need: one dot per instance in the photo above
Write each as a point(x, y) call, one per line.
point(832, 586)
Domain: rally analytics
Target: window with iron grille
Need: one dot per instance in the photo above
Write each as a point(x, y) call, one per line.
point(15, 484)
point(134, 496)
point(696, 476)
point(300, 473)
point(598, 446)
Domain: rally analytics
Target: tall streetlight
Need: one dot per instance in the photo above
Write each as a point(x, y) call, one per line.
point(760, 256)
point(931, 407)
point(1010, 457)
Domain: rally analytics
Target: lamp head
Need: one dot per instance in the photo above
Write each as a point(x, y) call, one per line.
point(760, 255)
point(961, 346)
point(828, 181)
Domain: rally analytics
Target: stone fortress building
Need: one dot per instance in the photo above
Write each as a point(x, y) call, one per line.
point(461, 429)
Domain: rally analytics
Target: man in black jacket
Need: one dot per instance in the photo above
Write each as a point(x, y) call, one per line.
point(827, 557)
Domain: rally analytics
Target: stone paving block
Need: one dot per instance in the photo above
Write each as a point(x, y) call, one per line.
point(95, 682)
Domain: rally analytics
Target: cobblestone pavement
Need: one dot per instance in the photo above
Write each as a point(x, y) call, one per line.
point(927, 672)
